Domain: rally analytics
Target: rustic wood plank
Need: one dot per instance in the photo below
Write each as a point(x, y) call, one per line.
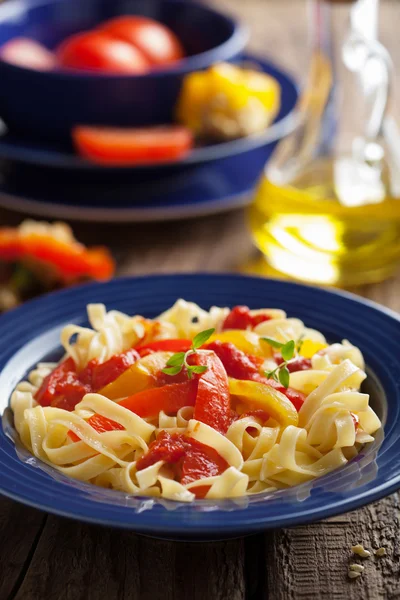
point(92, 562)
point(20, 530)
point(312, 561)
point(75, 561)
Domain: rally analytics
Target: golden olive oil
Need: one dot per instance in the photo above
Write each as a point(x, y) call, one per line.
point(305, 231)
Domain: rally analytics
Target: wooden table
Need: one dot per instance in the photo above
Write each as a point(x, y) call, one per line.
point(43, 557)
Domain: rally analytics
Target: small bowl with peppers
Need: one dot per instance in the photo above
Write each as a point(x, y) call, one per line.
point(112, 63)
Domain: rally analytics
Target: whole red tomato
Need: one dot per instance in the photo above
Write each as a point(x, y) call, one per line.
point(156, 41)
point(99, 51)
point(28, 53)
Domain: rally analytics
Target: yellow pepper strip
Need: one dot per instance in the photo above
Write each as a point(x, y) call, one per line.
point(259, 395)
point(247, 341)
point(308, 348)
point(140, 376)
point(227, 91)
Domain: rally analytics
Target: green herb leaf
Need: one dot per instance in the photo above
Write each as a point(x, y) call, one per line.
point(271, 374)
point(287, 350)
point(172, 370)
point(176, 360)
point(273, 343)
point(284, 376)
point(201, 338)
point(198, 369)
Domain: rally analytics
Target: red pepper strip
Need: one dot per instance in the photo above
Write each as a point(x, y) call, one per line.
point(164, 345)
point(169, 398)
point(70, 258)
point(193, 459)
point(98, 376)
point(299, 364)
point(100, 424)
point(213, 398)
point(241, 366)
point(241, 318)
point(62, 388)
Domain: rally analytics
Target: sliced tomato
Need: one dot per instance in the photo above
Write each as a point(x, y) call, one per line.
point(193, 459)
point(27, 53)
point(62, 387)
point(240, 317)
point(65, 387)
point(177, 345)
point(237, 364)
point(213, 398)
point(169, 398)
point(99, 51)
point(133, 146)
point(201, 461)
point(100, 424)
point(166, 447)
point(298, 364)
point(157, 42)
point(100, 375)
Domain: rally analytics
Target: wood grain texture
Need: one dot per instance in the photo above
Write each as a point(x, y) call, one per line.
point(313, 560)
point(20, 530)
point(92, 562)
point(46, 558)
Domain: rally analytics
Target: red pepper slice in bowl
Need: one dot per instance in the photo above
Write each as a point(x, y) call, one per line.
point(119, 146)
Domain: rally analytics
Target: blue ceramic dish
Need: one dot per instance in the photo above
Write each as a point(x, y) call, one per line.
point(49, 104)
point(373, 474)
point(38, 152)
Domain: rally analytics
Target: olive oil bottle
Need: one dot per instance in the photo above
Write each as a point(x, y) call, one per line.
point(327, 208)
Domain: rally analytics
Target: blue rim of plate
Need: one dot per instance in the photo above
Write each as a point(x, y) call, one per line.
point(208, 189)
point(374, 473)
point(49, 155)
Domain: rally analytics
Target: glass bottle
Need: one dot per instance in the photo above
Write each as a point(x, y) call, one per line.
point(327, 208)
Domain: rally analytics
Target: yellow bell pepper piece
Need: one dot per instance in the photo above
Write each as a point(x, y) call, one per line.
point(259, 395)
point(224, 92)
point(139, 376)
point(308, 348)
point(247, 341)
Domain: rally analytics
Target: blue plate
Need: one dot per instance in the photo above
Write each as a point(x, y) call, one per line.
point(37, 152)
point(30, 334)
point(209, 189)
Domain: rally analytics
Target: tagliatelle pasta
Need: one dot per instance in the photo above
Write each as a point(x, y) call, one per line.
point(195, 403)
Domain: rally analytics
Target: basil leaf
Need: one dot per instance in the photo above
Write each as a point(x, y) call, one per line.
point(287, 350)
point(273, 343)
point(284, 376)
point(201, 338)
point(198, 369)
point(176, 360)
point(171, 370)
point(271, 374)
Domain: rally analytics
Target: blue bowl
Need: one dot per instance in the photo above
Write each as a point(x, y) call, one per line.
point(374, 473)
point(49, 104)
